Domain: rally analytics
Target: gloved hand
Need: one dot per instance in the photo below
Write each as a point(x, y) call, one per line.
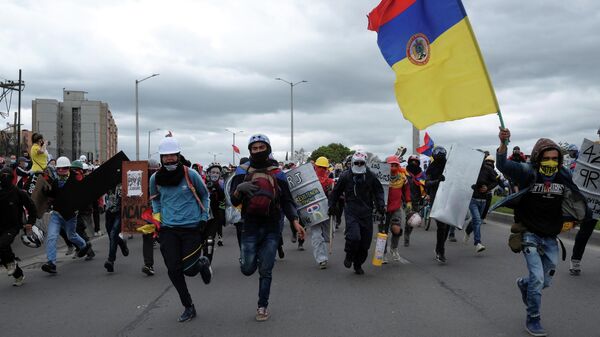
point(409, 206)
point(332, 211)
point(442, 178)
point(247, 188)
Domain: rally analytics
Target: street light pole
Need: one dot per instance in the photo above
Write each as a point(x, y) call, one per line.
point(149, 132)
point(232, 149)
point(214, 156)
point(137, 124)
point(292, 85)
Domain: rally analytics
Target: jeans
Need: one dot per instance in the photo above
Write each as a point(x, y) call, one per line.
point(319, 235)
point(113, 228)
point(541, 256)
point(476, 207)
point(259, 246)
point(56, 223)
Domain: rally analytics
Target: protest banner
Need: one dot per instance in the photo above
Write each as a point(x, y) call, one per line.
point(134, 195)
point(587, 175)
point(308, 194)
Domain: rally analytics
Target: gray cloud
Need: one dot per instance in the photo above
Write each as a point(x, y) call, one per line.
point(218, 61)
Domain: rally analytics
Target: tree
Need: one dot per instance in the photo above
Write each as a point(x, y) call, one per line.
point(335, 152)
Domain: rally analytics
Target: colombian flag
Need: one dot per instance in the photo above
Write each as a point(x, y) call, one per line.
point(440, 74)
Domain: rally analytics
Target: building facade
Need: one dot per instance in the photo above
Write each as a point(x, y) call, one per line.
point(76, 126)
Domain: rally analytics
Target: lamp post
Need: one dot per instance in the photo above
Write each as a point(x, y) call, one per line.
point(149, 132)
point(214, 156)
point(292, 85)
point(232, 149)
point(137, 124)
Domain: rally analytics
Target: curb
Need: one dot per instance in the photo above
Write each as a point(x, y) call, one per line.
point(507, 219)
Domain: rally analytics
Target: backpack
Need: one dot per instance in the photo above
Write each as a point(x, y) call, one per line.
point(267, 197)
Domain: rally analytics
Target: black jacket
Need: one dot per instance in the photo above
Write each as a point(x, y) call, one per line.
point(362, 193)
point(488, 177)
point(12, 201)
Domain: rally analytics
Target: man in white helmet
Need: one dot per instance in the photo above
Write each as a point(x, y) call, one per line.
point(64, 219)
point(262, 190)
point(182, 200)
point(363, 193)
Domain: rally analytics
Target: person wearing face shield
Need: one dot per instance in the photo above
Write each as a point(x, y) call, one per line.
point(12, 202)
point(434, 176)
point(363, 193)
point(214, 228)
point(181, 198)
point(539, 209)
point(263, 191)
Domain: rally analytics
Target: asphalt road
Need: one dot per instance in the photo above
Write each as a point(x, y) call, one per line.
point(473, 295)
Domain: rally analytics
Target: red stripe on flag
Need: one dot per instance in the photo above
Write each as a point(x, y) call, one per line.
point(236, 149)
point(386, 11)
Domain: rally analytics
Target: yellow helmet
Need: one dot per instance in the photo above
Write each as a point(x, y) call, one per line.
point(322, 161)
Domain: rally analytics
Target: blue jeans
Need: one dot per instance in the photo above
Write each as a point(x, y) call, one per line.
point(541, 255)
point(56, 223)
point(476, 207)
point(259, 246)
point(113, 228)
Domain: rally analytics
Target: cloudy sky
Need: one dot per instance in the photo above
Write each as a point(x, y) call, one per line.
point(218, 61)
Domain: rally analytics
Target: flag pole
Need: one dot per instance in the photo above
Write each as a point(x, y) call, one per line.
point(502, 125)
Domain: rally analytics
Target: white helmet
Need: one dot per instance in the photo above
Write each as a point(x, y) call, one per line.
point(35, 239)
point(86, 167)
point(169, 145)
point(63, 162)
point(83, 158)
point(413, 219)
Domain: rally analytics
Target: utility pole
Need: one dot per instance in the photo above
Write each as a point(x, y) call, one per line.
point(9, 86)
point(19, 121)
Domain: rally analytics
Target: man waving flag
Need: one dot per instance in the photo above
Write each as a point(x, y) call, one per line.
point(440, 74)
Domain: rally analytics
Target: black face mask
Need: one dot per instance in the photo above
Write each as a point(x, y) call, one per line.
point(260, 158)
point(413, 168)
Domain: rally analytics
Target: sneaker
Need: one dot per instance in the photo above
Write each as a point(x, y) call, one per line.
point(262, 314)
point(220, 243)
point(385, 259)
point(522, 287)
point(347, 261)
point(19, 281)
point(395, 254)
point(323, 265)
point(148, 270)
point(109, 266)
point(534, 327)
point(358, 270)
point(205, 269)
point(406, 242)
point(90, 255)
point(188, 314)
point(479, 248)
point(98, 233)
point(300, 244)
point(575, 269)
point(49, 267)
point(452, 238)
point(70, 250)
point(294, 237)
point(124, 248)
point(440, 258)
point(280, 252)
point(11, 267)
point(83, 251)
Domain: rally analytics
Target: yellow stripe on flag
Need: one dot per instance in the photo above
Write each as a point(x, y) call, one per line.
point(454, 84)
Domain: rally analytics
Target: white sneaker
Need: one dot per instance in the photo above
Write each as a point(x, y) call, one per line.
point(19, 281)
point(385, 259)
point(479, 248)
point(10, 268)
point(98, 233)
point(395, 254)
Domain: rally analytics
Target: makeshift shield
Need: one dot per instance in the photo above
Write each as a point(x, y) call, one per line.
point(134, 196)
point(454, 194)
point(311, 200)
point(587, 175)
